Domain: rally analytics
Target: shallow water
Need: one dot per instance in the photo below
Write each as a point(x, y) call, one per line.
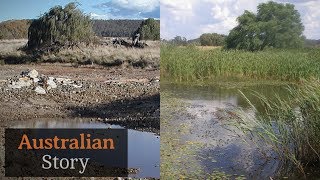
point(143, 147)
point(224, 148)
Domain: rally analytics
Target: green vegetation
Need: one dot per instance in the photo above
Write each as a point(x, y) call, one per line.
point(212, 39)
point(150, 29)
point(266, 46)
point(189, 64)
point(66, 26)
point(18, 29)
point(116, 27)
point(275, 25)
point(291, 128)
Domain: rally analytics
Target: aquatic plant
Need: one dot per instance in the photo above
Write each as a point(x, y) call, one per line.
point(191, 64)
point(290, 127)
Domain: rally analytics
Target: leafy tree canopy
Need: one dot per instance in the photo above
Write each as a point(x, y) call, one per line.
point(150, 29)
point(275, 25)
point(65, 26)
point(211, 39)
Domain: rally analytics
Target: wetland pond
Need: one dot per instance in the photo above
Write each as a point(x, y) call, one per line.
point(212, 146)
point(143, 147)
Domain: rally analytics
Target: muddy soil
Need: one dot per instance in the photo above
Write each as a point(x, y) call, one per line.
point(124, 96)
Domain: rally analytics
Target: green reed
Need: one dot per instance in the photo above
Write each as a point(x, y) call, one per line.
point(187, 64)
point(291, 128)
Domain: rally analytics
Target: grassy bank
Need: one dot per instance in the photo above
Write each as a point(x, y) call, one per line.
point(98, 54)
point(290, 127)
point(189, 64)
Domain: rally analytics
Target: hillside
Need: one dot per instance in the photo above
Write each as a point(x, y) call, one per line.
point(14, 29)
point(115, 28)
point(18, 29)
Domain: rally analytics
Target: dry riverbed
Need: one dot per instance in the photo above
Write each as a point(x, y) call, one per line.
point(128, 97)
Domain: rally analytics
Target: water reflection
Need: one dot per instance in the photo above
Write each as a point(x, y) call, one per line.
point(224, 146)
point(144, 147)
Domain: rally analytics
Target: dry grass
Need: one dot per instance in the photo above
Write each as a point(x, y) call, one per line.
point(93, 54)
point(9, 47)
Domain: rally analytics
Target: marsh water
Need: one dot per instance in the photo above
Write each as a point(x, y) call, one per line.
point(224, 147)
point(143, 147)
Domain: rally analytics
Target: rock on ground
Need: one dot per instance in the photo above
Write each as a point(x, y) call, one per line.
point(40, 90)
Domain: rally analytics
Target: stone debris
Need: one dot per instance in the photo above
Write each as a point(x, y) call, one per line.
point(40, 90)
point(33, 74)
point(51, 84)
point(39, 83)
point(22, 82)
point(35, 80)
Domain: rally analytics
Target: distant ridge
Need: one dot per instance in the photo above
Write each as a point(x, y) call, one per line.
point(18, 29)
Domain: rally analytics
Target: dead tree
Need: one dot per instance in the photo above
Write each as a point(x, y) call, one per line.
point(135, 39)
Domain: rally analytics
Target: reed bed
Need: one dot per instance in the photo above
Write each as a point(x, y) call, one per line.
point(183, 64)
point(290, 127)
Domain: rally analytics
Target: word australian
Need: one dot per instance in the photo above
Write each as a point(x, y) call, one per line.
point(84, 141)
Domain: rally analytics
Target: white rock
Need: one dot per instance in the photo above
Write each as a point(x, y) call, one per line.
point(33, 73)
point(40, 90)
point(51, 84)
point(64, 81)
point(77, 86)
point(35, 80)
point(22, 82)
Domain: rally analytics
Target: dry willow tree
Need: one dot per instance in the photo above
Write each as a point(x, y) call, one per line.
point(60, 27)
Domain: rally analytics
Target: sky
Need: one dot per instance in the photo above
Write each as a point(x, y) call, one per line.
point(97, 9)
point(191, 18)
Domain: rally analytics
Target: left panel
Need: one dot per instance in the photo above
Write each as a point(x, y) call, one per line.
point(79, 88)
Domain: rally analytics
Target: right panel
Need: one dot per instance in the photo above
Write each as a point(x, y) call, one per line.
point(240, 89)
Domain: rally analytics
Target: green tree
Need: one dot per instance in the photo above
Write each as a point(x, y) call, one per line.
point(150, 29)
point(66, 26)
point(211, 39)
point(180, 41)
point(275, 25)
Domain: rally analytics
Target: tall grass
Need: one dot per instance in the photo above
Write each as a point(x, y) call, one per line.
point(99, 54)
point(193, 64)
point(291, 128)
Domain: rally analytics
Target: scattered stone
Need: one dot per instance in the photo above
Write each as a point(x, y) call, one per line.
point(40, 90)
point(22, 82)
point(77, 86)
point(35, 80)
point(33, 74)
point(51, 84)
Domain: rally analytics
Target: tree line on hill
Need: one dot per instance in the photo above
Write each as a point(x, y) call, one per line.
point(18, 29)
point(206, 39)
point(14, 29)
point(214, 39)
point(68, 27)
point(115, 28)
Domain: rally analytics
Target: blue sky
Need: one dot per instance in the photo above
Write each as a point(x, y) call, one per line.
point(97, 9)
point(191, 18)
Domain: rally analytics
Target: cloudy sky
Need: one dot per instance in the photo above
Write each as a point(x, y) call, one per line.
point(191, 18)
point(98, 9)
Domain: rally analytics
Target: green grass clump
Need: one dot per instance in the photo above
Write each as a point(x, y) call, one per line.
point(290, 127)
point(187, 64)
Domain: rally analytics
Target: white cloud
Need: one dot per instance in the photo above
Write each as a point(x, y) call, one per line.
point(137, 5)
point(191, 18)
point(111, 16)
point(310, 18)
